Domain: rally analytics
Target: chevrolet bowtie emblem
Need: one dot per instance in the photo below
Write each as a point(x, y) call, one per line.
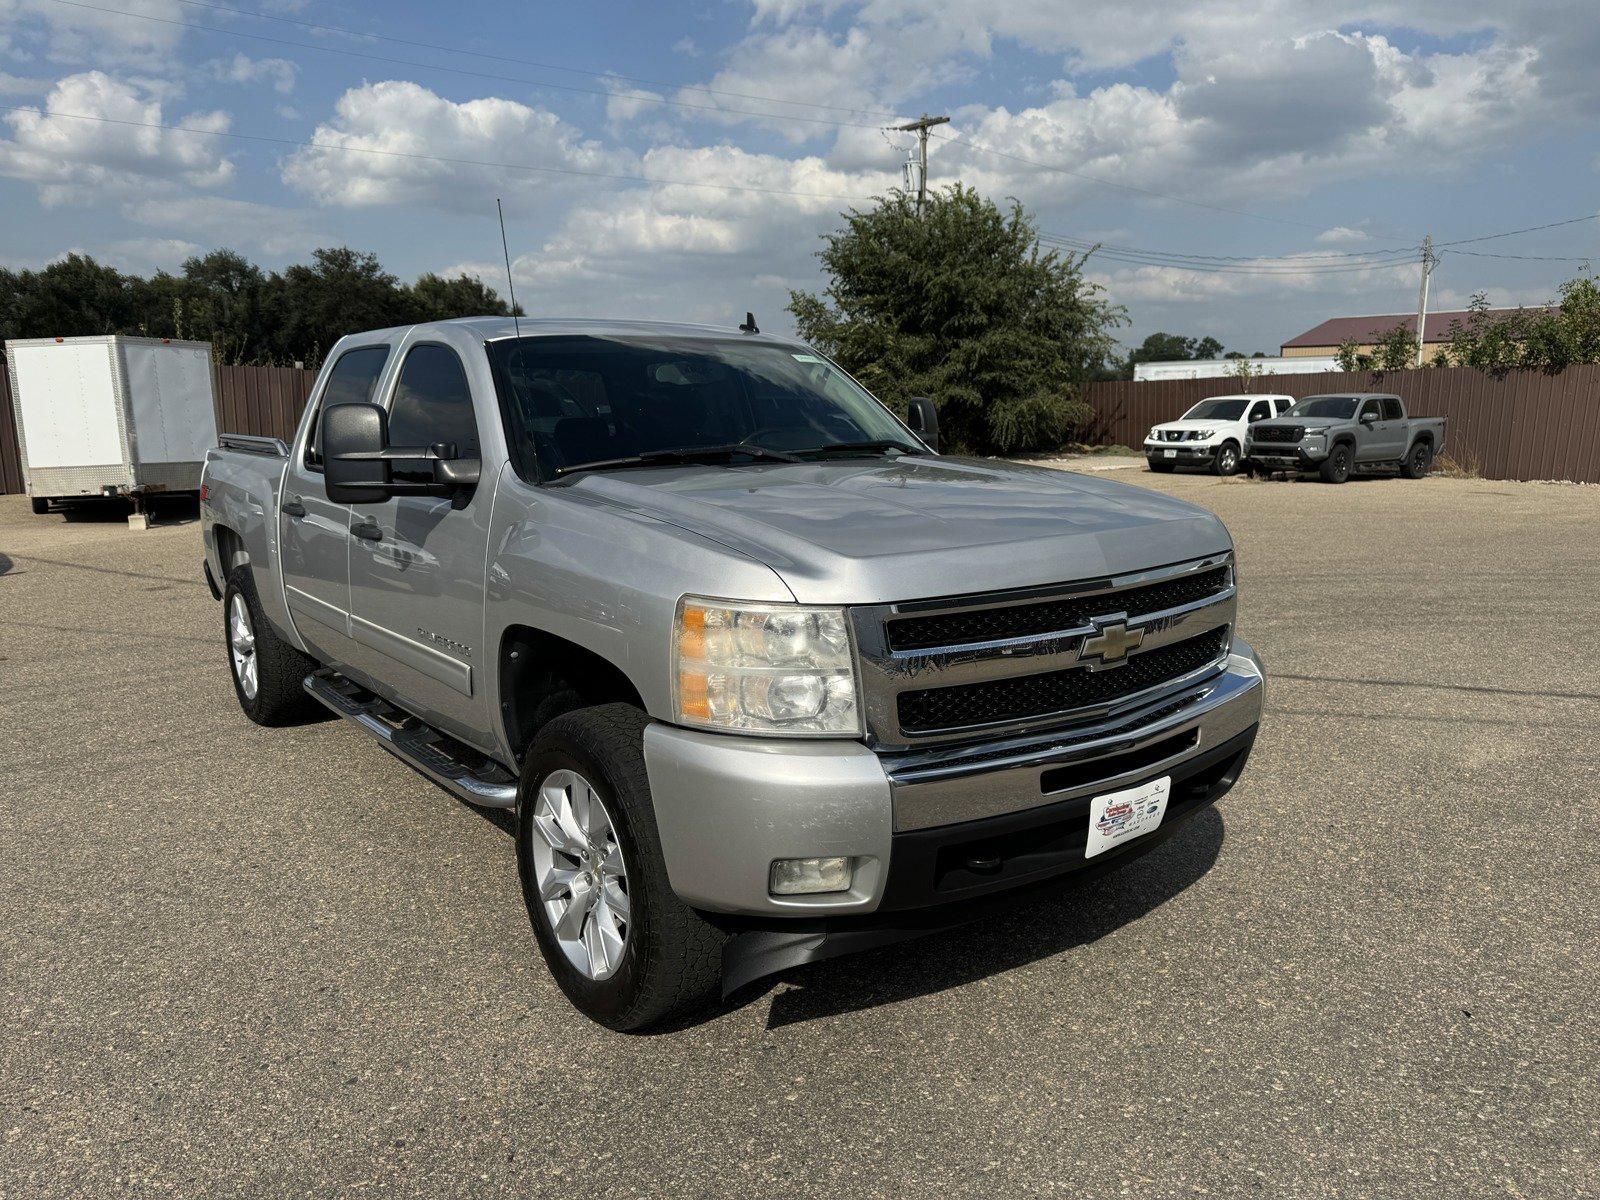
point(1110, 643)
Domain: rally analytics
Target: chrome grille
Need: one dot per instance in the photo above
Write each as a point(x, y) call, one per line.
point(969, 666)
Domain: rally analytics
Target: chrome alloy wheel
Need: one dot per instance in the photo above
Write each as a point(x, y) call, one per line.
point(242, 646)
point(582, 878)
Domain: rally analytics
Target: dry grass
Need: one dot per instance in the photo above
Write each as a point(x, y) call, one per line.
point(1466, 465)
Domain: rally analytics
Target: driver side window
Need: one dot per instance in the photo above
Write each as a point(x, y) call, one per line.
point(432, 403)
point(1371, 409)
point(1259, 411)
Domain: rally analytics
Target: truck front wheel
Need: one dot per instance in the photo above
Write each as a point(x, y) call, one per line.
point(1227, 460)
point(624, 948)
point(1336, 467)
point(268, 673)
point(40, 505)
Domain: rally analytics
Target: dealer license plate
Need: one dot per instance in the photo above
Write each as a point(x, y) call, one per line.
point(1169, 454)
point(1119, 817)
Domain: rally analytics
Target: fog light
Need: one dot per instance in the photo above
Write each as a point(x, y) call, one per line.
point(809, 876)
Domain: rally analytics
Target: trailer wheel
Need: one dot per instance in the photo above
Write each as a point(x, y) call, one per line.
point(40, 505)
point(268, 673)
point(624, 948)
point(1418, 462)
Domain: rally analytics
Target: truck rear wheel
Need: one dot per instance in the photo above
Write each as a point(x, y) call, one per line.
point(1418, 462)
point(622, 946)
point(39, 504)
point(1336, 467)
point(268, 673)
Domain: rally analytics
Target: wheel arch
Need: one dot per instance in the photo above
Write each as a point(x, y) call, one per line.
point(535, 665)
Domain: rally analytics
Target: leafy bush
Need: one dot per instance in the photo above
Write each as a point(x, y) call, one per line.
point(962, 305)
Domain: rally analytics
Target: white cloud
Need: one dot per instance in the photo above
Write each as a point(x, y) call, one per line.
point(1341, 235)
point(278, 73)
point(144, 255)
point(118, 152)
point(17, 85)
point(224, 221)
point(90, 35)
point(405, 119)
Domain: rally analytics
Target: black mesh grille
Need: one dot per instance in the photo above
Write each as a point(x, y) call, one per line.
point(1277, 433)
point(1049, 616)
point(1056, 691)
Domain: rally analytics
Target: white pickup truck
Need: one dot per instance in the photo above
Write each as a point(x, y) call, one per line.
point(1212, 434)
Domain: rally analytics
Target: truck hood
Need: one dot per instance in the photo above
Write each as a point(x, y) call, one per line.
point(1302, 423)
point(1215, 426)
point(878, 530)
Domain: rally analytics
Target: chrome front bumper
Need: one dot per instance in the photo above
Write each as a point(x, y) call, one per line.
point(727, 806)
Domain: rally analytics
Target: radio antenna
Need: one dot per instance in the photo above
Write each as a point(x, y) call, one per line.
point(510, 284)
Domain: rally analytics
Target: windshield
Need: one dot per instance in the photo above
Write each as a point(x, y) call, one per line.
point(1216, 410)
point(1337, 407)
point(578, 400)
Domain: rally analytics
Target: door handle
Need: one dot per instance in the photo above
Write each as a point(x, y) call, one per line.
point(294, 508)
point(368, 531)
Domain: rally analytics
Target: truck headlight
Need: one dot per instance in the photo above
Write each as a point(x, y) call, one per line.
point(764, 668)
point(1313, 439)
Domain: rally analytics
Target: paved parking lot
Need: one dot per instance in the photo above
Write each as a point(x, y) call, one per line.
point(242, 961)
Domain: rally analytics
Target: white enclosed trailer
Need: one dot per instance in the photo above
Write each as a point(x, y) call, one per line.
point(111, 416)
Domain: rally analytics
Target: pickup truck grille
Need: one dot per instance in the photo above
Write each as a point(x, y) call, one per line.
point(976, 666)
point(1277, 433)
point(1005, 700)
point(1024, 620)
point(1170, 435)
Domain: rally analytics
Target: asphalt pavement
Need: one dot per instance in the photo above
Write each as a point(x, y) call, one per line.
point(241, 961)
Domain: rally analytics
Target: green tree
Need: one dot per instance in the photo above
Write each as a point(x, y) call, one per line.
point(1350, 356)
point(1394, 349)
point(1172, 347)
point(440, 299)
point(964, 306)
point(71, 297)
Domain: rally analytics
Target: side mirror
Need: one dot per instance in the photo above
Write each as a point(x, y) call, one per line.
point(923, 418)
point(1369, 418)
point(354, 438)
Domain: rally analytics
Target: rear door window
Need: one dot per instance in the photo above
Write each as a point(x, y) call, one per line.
point(1392, 410)
point(352, 381)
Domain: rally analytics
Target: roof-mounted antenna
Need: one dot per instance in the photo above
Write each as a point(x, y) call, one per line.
point(506, 250)
point(749, 325)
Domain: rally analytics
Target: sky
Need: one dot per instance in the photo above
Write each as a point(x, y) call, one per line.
point(681, 160)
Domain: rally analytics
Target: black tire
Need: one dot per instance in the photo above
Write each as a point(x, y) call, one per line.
point(280, 670)
point(1336, 467)
point(1162, 468)
point(1419, 462)
point(1227, 459)
point(672, 956)
point(39, 505)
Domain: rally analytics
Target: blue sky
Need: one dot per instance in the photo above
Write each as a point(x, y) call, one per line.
point(1286, 140)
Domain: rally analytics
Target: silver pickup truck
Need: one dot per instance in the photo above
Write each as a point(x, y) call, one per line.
point(1338, 435)
point(764, 677)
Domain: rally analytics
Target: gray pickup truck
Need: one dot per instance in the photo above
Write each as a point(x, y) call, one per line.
point(763, 676)
point(1352, 432)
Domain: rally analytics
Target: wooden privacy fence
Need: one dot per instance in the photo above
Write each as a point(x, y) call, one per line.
point(1527, 425)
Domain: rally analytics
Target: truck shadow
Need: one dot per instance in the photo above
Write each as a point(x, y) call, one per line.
point(1076, 915)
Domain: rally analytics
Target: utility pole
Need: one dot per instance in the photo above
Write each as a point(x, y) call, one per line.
point(921, 126)
point(1429, 261)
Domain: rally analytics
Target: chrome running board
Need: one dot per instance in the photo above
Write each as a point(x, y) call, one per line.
point(460, 770)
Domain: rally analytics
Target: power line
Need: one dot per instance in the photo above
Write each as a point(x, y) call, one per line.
point(465, 162)
point(639, 97)
point(1259, 266)
point(1489, 237)
point(317, 27)
point(1316, 255)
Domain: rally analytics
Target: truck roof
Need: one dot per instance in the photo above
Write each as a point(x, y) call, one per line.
point(495, 328)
